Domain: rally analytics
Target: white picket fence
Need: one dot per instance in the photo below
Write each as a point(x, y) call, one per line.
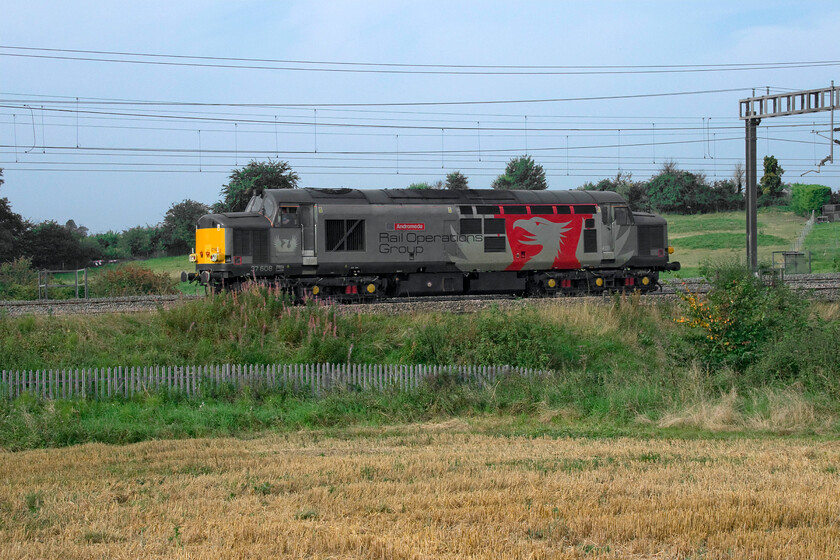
point(103, 383)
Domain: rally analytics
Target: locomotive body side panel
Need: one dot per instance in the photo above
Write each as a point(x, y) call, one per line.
point(409, 242)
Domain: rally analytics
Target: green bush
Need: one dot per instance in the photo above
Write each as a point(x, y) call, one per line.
point(805, 198)
point(806, 356)
point(740, 317)
point(131, 280)
point(18, 280)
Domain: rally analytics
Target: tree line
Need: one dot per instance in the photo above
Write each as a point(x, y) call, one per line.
point(49, 244)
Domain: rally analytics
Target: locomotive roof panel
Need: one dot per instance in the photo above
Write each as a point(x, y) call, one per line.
point(434, 196)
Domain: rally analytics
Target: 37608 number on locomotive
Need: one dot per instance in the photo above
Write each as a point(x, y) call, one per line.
point(361, 244)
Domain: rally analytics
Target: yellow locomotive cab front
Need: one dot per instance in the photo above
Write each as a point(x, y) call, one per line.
point(209, 246)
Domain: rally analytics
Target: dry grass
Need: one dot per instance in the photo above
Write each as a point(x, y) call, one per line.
point(430, 491)
point(779, 411)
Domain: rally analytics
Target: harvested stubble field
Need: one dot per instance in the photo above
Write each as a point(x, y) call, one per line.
point(427, 491)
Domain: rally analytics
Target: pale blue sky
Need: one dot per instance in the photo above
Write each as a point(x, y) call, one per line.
point(116, 166)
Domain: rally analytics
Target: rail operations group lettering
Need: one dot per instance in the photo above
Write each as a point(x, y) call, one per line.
point(414, 243)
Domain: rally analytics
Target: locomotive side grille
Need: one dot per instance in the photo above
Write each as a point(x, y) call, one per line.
point(242, 242)
point(251, 243)
point(590, 241)
point(470, 226)
point(651, 239)
point(494, 225)
point(260, 245)
point(355, 235)
point(345, 235)
point(495, 244)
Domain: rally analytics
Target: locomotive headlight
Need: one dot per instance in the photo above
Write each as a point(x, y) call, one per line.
point(192, 257)
point(599, 282)
point(552, 282)
point(670, 250)
point(371, 288)
point(214, 257)
point(645, 280)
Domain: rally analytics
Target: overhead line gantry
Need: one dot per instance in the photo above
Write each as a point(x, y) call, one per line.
point(752, 110)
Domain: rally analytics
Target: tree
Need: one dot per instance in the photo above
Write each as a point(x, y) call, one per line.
point(436, 186)
point(52, 245)
point(634, 192)
point(738, 177)
point(809, 198)
point(178, 231)
point(726, 196)
point(771, 183)
point(109, 244)
point(71, 226)
point(522, 174)
point(253, 179)
point(13, 230)
point(681, 192)
point(457, 181)
point(140, 241)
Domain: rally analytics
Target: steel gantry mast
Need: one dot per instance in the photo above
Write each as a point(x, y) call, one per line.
point(752, 110)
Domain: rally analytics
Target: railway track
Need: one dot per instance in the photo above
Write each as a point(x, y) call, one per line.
point(91, 306)
point(822, 286)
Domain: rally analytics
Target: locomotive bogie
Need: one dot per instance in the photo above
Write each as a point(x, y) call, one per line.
point(358, 245)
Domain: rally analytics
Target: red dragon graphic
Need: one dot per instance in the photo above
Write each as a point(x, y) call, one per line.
point(547, 239)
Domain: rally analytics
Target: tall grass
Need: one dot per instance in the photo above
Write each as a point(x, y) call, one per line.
point(824, 244)
point(615, 364)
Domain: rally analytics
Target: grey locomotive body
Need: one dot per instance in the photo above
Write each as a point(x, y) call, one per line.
point(355, 244)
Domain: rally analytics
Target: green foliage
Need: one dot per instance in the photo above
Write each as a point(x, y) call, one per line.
point(141, 241)
point(522, 173)
point(824, 244)
point(110, 245)
point(680, 192)
point(178, 231)
point(131, 279)
point(676, 191)
point(740, 317)
point(18, 280)
point(457, 181)
point(629, 361)
point(634, 192)
point(13, 230)
point(803, 354)
point(807, 198)
point(51, 245)
point(771, 182)
point(420, 186)
point(252, 180)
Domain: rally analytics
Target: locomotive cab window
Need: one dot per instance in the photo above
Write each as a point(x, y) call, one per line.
point(269, 209)
point(622, 215)
point(255, 204)
point(289, 217)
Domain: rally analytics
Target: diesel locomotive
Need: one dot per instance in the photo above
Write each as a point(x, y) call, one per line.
point(350, 244)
